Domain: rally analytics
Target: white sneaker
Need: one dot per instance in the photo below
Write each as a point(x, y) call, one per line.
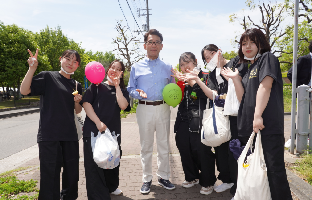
point(187, 184)
point(206, 190)
point(288, 143)
point(117, 192)
point(223, 187)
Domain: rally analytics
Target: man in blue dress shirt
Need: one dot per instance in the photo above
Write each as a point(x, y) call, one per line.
point(148, 78)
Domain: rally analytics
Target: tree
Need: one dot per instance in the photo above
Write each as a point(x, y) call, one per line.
point(230, 55)
point(127, 47)
point(304, 34)
point(14, 42)
point(52, 43)
point(272, 15)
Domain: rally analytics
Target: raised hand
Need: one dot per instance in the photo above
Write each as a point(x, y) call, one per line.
point(178, 75)
point(191, 75)
point(116, 80)
point(227, 72)
point(142, 93)
point(32, 60)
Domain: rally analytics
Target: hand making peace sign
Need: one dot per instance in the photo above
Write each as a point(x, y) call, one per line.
point(32, 60)
point(116, 80)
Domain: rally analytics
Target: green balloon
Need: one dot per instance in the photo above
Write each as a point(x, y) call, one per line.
point(172, 94)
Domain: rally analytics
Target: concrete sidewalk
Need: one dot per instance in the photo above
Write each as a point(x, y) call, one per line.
point(131, 170)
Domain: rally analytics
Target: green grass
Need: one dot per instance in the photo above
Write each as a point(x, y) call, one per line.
point(124, 114)
point(284, 74)
point(287, 89)
point(21, 102)
point(11, 186)
point(304, 168)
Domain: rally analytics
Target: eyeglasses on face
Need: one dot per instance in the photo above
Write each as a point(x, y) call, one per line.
point(151, 43)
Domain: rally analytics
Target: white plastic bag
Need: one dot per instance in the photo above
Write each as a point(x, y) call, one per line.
point(105, 149)
point(231, 104)
point(252, 179)
point(216, 126)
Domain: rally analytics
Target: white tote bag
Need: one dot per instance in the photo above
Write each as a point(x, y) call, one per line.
point(216, 126)
point(252, 179)
point(79, 121)
point(231, 104)
point(79, 124)
point(105, 149)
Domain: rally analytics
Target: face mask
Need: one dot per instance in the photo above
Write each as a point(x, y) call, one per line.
point(66, 71)
point(213, 62)
point(110, 80)
point(255, 57)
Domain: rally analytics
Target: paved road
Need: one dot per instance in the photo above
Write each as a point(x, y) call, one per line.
point(18, 133)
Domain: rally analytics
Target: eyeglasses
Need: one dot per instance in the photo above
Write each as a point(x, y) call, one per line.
point(151, 43)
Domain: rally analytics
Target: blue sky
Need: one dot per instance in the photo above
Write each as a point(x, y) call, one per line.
point(185, 25)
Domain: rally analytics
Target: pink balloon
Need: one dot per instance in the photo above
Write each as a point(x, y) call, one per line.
point(95, 72)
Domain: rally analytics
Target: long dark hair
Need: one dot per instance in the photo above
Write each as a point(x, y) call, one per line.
point(122, 83)
point(209, 47)
point(258, 37)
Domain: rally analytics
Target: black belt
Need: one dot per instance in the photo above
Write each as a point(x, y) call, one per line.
point(154, 103)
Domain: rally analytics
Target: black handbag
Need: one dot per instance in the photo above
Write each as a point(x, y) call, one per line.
point(193, 115)
point(194, 120)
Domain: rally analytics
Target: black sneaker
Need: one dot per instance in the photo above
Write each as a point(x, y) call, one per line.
point(166, 184)
point(146, 187)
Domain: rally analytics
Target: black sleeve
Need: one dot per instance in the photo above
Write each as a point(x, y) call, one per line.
point(196, 88)
point(38, 84)
point(90, 94)
point(79, 88)
point(242, 69)
point(289, 74)
point(126, 95)
point(212, 82)
point(303, 70)
point(269, 66)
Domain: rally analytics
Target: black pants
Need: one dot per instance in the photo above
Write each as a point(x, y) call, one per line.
point(231, 160)
point(273, 151)
point(52, 155)
point(195, 156)
point(99, 182)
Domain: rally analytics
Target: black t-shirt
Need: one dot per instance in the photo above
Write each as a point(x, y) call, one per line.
point(212, 82)
point(273, 114)
point(57, 122)
point(189, 101)
point(104, 102)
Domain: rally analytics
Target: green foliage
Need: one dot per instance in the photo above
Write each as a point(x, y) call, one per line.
point(15, 41)
point(304, 167)
point(287, 97)
point(286, 44)
point(284, 74)
point(20, 102)
point(230, 55)
point(11, 186)
point(124, 114)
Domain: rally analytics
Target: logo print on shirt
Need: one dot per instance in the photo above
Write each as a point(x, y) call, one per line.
point(253, 73)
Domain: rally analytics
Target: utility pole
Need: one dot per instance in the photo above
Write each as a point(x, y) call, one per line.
point(146, 26)
point(147, 16)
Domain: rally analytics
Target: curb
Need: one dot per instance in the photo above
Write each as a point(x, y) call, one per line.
point(298, 186)
point(19, 112)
